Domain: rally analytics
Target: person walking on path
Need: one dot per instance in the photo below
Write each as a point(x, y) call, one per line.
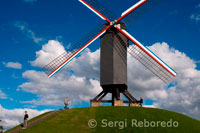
point(25, 120)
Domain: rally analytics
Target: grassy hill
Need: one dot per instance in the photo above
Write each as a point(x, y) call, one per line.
point(116, 119)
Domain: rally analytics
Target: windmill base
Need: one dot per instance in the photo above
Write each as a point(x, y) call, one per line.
point(116, 100)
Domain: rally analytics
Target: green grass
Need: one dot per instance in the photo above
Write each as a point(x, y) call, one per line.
point(76, 120)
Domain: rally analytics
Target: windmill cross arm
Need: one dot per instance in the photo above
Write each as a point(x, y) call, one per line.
point(140, 11)
point(132, 8)
point(148, 52)
point(94, 10)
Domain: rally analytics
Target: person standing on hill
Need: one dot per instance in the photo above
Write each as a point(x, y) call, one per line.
point(25, 120)
point(66, 103)
point(141, 101)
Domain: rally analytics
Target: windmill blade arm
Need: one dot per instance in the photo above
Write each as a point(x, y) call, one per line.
point(94, 10)
point(132, 8)
point(148, 53)
point(62, 60)
point(140, 11)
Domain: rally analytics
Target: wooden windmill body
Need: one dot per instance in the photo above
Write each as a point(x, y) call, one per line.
point(113, 68)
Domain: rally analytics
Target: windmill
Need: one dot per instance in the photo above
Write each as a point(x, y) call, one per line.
point(113, 56)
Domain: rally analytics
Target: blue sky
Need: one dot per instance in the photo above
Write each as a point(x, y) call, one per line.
point(26, 25)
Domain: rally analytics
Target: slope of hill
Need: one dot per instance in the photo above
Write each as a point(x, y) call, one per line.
point(115, 119)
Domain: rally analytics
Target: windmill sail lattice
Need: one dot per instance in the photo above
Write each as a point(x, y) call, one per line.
point(149, 63)
point(58, 62)
point(140, 11)
point(101, 9)
point(145, 60)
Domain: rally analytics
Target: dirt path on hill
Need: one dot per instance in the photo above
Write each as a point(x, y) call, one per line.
point(36, 121)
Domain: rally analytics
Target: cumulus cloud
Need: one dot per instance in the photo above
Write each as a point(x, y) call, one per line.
point(181, 95)
point(88, 59)
point(15, 65)
point(87, 65)
point(11, 118)
point(49, 51)
point(53, 91)
point(71, 82)
point(80, 81)
point(3, 95)
point(22, 26)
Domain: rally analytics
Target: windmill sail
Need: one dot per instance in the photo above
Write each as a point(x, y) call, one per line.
point(62, 60)
point(131, 9)
point(149, 59)
point(95, 6)
point(140, 11)
point(145, 59)
point(149, 63)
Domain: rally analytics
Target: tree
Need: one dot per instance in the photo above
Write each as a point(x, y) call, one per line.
point(1, 128)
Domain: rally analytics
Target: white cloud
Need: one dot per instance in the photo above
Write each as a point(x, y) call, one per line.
point(15, 65)
point(28, 32)
point(87, 65)
point(53, 49)
point(182, 96)
point(3, 95)
point(77, 86)
point(49, 51)
point(53, 91)
point(11, 118)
